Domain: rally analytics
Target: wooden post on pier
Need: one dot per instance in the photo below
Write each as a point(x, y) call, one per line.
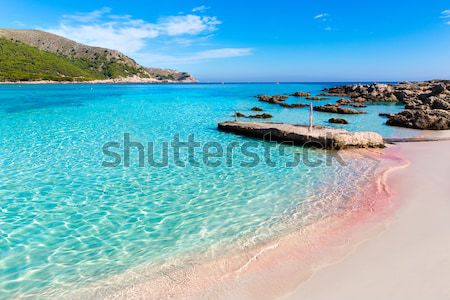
point(310, 117)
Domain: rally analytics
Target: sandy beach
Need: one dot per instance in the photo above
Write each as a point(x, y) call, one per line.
point(410, 259)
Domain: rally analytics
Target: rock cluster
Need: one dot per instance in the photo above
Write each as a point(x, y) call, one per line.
point(427, 104)
point(279, 99)
point(257, 116)
point(434, 119)
point(301, 94)
point(317, 98)
point(276, 99)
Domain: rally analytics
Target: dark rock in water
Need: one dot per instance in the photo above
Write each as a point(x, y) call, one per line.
point(256, 109)
point(359, 99)
point(343, 101)
point(301, 94)
point(385, 115)
point(357, 104)
point(260, 116)
point(435, 119)
point(336, 109)
point(338, 121)
point(294, 105)
point(276, 99)
point(316, 98)
point(240, 115)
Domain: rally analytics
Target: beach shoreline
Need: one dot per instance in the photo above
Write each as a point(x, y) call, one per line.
point(409, 258)
point(299, 264)
point(274, 268)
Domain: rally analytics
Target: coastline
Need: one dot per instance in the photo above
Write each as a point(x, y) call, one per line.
point(409, 259)
point(367, 253)
point(132, 80)
point(268, 270)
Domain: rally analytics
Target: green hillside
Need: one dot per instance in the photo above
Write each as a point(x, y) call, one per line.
point(21, 62)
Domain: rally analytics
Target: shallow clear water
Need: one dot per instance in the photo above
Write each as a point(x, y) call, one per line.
point(67, 221)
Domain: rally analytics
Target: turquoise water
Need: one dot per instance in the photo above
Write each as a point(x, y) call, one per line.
point(67, 221)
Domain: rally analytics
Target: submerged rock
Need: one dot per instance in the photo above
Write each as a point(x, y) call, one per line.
point(260, 116)
point(338, 121)
point(294, 105)
point(317, 98)
point(336, 109)
point(256, 109)
point(385, 115)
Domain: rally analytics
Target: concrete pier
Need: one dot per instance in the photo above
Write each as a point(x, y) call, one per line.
point(319, 136)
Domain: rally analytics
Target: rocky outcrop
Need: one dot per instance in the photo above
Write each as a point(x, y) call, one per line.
point(294, 105)
point(344, 102)
point(337, 121)
point(169, 75)
point(427, 103)
point(260, 116)
point(256, 109)
point(435, 119)
point(336, 109)
point(364, 92)
point(301, 94)
point(257, 116)
point(316, 98)
point(385, 115)
point(319, 136)
point(276, 99)
point(356, 104)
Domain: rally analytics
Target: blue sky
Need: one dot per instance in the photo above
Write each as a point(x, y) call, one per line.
point(258, 40)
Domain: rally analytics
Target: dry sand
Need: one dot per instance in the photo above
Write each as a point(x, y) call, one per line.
point(410, 259)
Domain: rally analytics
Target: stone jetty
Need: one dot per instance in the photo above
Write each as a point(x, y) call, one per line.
point(319, 137)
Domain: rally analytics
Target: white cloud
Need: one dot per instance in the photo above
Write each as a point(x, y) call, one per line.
point(89, 16)
point(132, 36)
point(445, 14)
point(200, 8)
point(221, 53)
point(188, 24)
point(322, 16)
point(128, 35)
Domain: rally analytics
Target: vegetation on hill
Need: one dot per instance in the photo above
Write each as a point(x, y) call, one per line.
point(20, 62)
point(31, 55)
